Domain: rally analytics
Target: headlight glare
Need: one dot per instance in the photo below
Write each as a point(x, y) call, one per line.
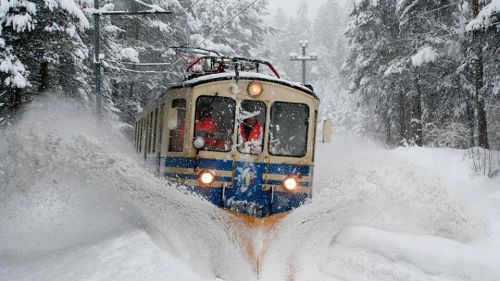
point(291, 183)
point(206, 177)
point(254, 89)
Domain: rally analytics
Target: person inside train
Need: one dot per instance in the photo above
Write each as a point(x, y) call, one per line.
point(251, 129)
point(205, 122)
point(251, 135)
point(207, 127)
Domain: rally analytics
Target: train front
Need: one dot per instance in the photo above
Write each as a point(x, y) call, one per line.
point(248, 142)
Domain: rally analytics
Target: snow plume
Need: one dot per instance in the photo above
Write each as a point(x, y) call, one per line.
point(64, 183)
point(389, 203)
point(424, 55)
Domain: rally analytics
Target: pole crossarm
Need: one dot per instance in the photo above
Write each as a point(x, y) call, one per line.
point(128, 13)
point(307, 58)
point(303, 58)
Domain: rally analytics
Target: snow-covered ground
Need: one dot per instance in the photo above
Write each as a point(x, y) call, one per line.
point(76, 204)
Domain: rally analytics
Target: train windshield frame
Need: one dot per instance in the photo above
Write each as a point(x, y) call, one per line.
point(214, 121)
point(288, 129)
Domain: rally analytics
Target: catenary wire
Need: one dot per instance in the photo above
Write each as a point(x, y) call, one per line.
point(391, 44)
point(228, 21)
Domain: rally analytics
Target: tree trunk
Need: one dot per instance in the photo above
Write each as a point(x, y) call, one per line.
point(387, 128)
point(17, 99)
point(403, 130)
point(482, 123)
point(44, 76)
point(417, 115)
point(470, 122)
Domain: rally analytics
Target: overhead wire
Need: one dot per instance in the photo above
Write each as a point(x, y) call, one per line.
point(436, 9)
point(418, 15)
point(391, 43)
point(228, 21)
point(138, 71)
point(433, 31)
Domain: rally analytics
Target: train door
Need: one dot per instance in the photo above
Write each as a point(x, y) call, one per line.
point(246, 195)
point(176, 125)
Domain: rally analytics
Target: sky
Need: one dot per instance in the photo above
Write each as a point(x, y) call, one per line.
point(290, 7)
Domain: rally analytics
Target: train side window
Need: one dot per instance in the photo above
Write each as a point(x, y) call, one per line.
point(315, 124)
point(160, 126)
point(215, 122)
point(251, 124)
point(176, 139)
point(155, 130)
point(288, 129)
point(135, 136)
point(150, 132)
point(146, 134)
point(139, 145)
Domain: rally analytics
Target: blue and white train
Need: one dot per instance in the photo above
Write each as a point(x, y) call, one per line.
point(197, 135)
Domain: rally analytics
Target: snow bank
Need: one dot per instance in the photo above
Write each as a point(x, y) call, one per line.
point(129, 256)
point(433, 255)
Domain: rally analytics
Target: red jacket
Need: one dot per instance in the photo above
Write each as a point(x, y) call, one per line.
point(255, 133)
point(208, 125)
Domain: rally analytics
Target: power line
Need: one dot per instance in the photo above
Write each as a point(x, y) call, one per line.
point(137, 71)
point(139, 63)
point(192, 5)
point(392, 45)
point(417, 15)
point(228, 21)
point(435, 10)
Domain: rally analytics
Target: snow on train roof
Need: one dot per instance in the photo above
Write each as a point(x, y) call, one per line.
point(245, 75)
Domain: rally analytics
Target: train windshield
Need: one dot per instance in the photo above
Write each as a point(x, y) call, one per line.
point(215, 122)
point(288, 129)
point(252, 121)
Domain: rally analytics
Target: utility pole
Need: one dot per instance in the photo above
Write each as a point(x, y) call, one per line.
point(97, 58)
point(303, 58)
point(482, 125)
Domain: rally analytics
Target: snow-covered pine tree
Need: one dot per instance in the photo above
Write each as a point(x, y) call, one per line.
point(228, 26)
point(329, 41)
point(427, 61)
point(40, 49)
point(370, 64)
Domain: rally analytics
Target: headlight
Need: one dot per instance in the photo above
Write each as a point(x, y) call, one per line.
point(206, 177)
point(291, 183)
point(254, 89)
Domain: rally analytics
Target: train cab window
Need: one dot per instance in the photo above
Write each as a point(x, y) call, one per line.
point(288, 129)
point(176, 139)
point(214, 121)
point(251, 121)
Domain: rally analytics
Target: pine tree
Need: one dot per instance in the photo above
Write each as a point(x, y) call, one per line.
point(41, 48)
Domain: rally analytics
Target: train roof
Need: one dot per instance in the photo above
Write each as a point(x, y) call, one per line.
point(242, 75)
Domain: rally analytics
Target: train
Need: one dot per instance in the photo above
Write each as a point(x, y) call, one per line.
point(235, 133)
